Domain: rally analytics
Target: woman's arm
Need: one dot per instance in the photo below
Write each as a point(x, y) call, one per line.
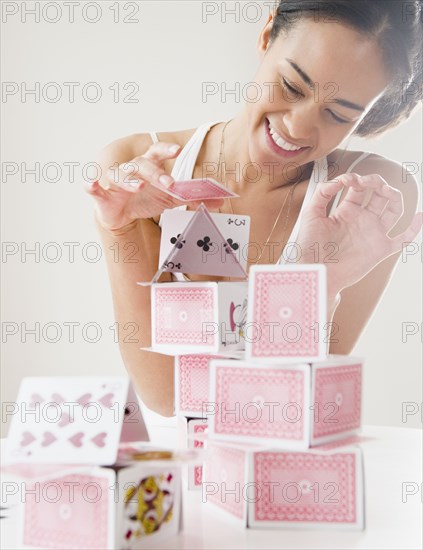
point(133, 257)
point(359, 301)
point(125, 207)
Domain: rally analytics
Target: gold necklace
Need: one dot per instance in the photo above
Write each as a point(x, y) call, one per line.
point(290, 195)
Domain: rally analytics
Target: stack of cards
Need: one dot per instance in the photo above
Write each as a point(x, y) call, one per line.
point(199, 321)
point(64, 453)
point(263, 397)
point(285, 396)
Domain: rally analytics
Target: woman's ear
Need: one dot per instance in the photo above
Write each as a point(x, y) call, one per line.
point(263, 40)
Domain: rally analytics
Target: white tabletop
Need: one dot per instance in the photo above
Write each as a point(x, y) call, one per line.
point(392, 458)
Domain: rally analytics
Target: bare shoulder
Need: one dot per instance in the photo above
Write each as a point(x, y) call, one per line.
point(393, 172)
point(127, 148)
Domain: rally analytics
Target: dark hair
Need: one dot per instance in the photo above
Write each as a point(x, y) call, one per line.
point(395, 25)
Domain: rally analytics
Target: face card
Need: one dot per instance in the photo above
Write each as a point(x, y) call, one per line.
point(234, 229)
point(70, 420)
point(149, 506)
point(259, 404)
point(300, 490)
point(233, 300)
point(195, 471)
point(287, 313)
point(337, 400)
point(199, 189)
point(182, 314)
point(75, 511)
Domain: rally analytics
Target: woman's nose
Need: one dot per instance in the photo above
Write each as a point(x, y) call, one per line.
point(300, 124)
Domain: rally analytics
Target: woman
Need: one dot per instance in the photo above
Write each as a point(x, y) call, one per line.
point(337, 68)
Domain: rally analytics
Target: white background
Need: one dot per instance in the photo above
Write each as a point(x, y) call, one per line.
point(169, 53)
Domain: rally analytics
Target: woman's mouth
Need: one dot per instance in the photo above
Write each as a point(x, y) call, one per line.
point(279, 145)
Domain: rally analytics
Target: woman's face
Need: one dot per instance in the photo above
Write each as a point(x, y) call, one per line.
point(317, 84)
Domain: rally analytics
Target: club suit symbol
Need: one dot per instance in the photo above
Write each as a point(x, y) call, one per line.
point(171, 265)
point(205, 243)
point(236, 221)
point(230, 244)
point(176, 241)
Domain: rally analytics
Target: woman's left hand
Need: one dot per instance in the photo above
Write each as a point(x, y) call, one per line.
point(356, 235)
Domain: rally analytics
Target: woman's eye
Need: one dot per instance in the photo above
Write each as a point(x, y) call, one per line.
point(340, 120)
point(291, 88)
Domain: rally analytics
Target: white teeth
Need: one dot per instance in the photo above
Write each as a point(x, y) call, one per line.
point(281, 142)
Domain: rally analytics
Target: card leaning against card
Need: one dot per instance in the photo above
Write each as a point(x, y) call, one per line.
point(73, 420)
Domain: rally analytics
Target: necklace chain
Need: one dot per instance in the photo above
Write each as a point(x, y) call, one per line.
point(290, 195)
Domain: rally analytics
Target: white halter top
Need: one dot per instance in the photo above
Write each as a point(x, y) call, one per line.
point(185, 163)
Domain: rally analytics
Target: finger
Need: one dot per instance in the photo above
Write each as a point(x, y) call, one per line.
point(123, 177)
point(409, 234)
point(380, 187)
point(94, 189)
point(354, 195)
point(131, 175)
point(324, 193)
point(376, 204)
point(392, 212)
point(211, 204)
point(162, 150)
point(357, 192)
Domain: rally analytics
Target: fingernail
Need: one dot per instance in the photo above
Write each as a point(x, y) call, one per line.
point(173, 148)
point(133, 184)
point(166, 180)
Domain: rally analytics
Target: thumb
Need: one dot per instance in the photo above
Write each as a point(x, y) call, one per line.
point(409, 234)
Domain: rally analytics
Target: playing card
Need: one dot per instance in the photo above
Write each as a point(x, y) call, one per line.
point(201, 249)
point(336, 393)
point(192, 383)
point(259, 404)
point(300, 490)
point(149, 505)
point(199, 189)
point(198, 317)
point(180, 312)
point(74, 511)
point(224, 478)
point(233, 301)
point(235, 230)
point(73, 420)
point(286, 316)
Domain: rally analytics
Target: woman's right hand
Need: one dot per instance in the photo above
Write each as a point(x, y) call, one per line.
point(137, 189)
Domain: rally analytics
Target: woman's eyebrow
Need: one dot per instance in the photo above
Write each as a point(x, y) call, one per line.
point(311, 85)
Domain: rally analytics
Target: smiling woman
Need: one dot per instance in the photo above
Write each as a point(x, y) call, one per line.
point(328, 70)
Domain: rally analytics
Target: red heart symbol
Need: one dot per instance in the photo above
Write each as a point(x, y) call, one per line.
point(99, 439)
point(49, 438)
point(57, 398)
point(106, 400)
point(36, 398)
point(76, 439)
point(27, 439)
point(84, 399)
point(64, 420)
